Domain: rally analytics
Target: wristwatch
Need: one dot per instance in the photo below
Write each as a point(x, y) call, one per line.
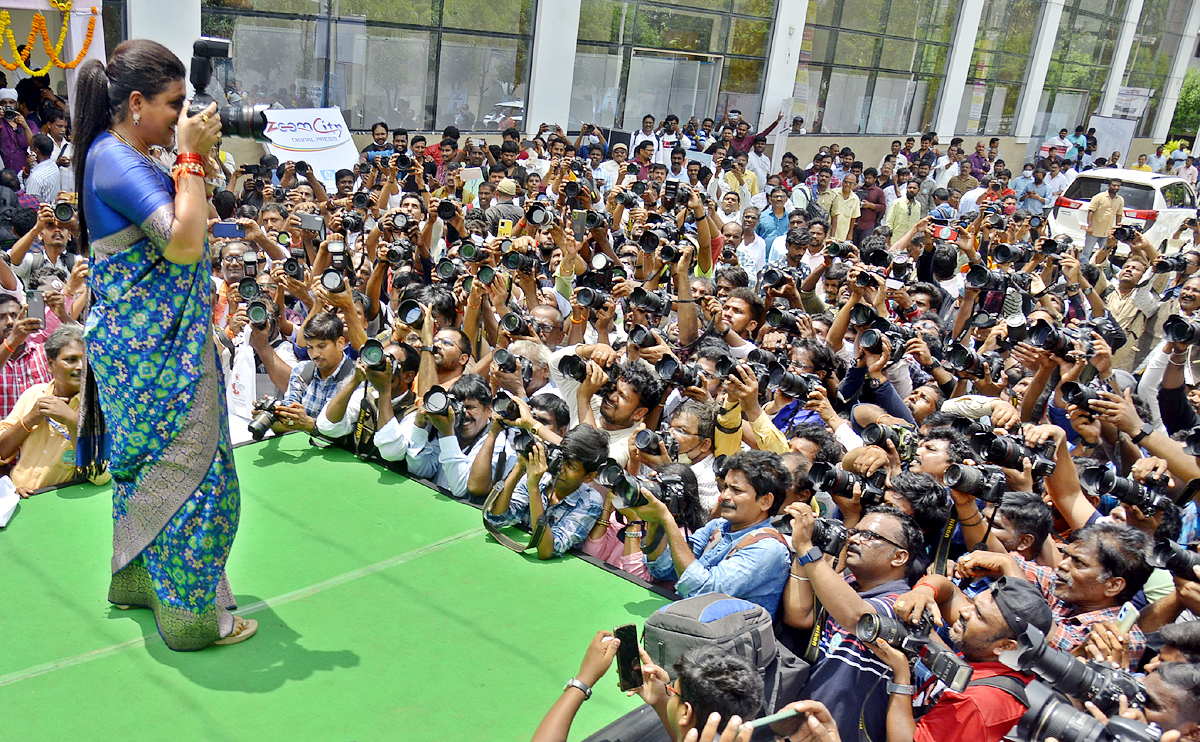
point(810, 556)
point(1146, 430)
point(577, 683)
point(904, 690)
point(426, 348)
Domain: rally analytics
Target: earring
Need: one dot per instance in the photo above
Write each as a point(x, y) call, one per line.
point(137, 119)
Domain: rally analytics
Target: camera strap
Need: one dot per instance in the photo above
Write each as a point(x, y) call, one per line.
point(943, 548)
point(812, 648)
point(1006, 683)
point(497, 488)
point(863, 734)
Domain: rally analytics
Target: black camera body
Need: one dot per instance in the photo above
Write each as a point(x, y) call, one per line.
point(916, 644)
point(829, 536)
point(1007, 452)
point(834, 480)
point(986, 482)
point(654, 443)
point(1176, 559)
point(264, 416)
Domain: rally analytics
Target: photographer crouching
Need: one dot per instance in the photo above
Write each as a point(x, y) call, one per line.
point(548, 491)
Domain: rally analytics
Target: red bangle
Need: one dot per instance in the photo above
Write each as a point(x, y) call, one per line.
point(930, 585)
point(10, 350)
point(184, 157)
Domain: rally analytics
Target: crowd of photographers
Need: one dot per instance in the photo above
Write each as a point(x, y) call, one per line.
point(953, 455)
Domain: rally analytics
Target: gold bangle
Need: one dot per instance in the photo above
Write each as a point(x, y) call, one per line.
point(604, 523)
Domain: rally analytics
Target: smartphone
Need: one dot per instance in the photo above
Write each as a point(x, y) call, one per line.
point(36, 306)
point(629, 660)
point(949, 234)
point(1125, 619)
point(228, 230)
point(783, 724)
point(894, 283)
point(505, 228)
point(578, 222)
point(472, 173)
point(311, 222)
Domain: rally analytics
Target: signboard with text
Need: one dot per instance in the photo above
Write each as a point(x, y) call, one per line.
point(318, 136)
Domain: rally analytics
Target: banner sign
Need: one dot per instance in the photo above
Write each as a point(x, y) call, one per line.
point(318, 136)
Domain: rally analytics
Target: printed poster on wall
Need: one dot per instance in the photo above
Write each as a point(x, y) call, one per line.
point(318, 136)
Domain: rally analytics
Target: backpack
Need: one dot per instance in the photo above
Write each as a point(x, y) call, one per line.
point(715, 619)
point(812, 209)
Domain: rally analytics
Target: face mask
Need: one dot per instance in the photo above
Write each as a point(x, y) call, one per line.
point(1027, 173)
point(594, 139)
point(477, 239)
point(1010, 209)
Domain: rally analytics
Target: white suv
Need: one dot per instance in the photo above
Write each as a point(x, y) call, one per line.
point(1156, 204)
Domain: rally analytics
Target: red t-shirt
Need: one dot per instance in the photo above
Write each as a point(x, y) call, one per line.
point(978, 714)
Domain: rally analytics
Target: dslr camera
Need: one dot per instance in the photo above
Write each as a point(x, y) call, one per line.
point(236, 121)
point(264, 417)
point(916, 644)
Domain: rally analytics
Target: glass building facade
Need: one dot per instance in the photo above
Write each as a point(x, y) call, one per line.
point(866, 67)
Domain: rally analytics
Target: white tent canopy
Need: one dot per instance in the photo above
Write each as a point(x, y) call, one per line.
point(77, 26)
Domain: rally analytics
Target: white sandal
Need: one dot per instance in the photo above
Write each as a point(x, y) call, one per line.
point(243, 629)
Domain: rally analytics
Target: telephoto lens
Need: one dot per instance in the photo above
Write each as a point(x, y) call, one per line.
point(257, 313)
point(986, 482)
point(332, 280)
point(1079, 395)
point(1169, 555)
point(1094, 681)
point(670, 370)
point(372, 355)
point(446, 210)
point(514, 324)
point(642, 337)
point(573, 367)
point(410, 313)
point(1178, 329)
point(437, 401)
point(505, 406)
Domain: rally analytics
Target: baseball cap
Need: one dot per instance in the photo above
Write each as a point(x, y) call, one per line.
point(1022, 605)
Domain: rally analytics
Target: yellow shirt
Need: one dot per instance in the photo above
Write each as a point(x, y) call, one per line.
point(48, 454)
point(1104, 210)
point(1143, 168)
point(748, 177)
point(846, 210)
point(902, 215)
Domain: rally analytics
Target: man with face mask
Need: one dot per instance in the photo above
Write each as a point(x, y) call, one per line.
point(1019, 183)
point(692, 425)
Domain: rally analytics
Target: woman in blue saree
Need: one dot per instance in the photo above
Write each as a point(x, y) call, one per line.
point(151, 356)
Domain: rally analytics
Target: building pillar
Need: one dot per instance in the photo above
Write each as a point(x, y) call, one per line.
point(779, 85)
point(173, 23)
point(1179, 65)
point(552, 73)
point(1039, 65)
point(958, 65)
point(1120, 60)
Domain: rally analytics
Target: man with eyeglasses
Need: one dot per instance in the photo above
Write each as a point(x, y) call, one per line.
point(880, 556)
point(738, 553)
point(693, 425)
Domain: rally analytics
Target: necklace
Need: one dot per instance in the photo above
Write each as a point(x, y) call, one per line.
point(128, 143)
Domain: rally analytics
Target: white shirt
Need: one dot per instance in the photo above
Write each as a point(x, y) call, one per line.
point(44, 181)
point(901, 161)
point(894, 192)
point(970, 200)
point(1058, 184)
point(753, 257)
point(760, 165)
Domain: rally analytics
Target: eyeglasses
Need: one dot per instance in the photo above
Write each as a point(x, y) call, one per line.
point(671, 691)
point(868, 537)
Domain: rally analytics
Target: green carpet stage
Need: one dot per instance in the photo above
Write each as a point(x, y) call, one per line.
point(385, 613)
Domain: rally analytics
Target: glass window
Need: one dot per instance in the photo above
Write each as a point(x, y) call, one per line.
point(303, 7)
point(740, 87)
point(699, 4)
point(663, 82)
point(475, 73)
point(855, 50)
point(601, 20)
point(274, 61)
point(503, 16)
point(890, 104)
point(1140, 197)
point(375, 92)
point(749, 38)
point(673, 29)
point(596, 91)
point(864, 15)
point(416, 12)
point(845, 103)
point(821, 12)
point(897, 55)
point(820, 44)
point(807, 93)
point(764, 8)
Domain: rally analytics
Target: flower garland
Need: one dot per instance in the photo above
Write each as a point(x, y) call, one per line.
point(53, 51)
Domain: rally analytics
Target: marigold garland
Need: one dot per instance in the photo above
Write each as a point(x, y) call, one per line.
point(53, 51)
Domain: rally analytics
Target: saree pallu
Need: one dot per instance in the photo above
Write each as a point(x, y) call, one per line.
point(158, 383)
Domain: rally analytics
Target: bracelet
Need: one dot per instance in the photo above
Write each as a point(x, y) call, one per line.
point(798, 577)
point(903, 690)
point(926, 583)
point(8, 347)
point(602, 522)
point(185, 157)
point(577, 683)
point(579, 321)
point(27, 430)
point(973, 523)
point(635, 534)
